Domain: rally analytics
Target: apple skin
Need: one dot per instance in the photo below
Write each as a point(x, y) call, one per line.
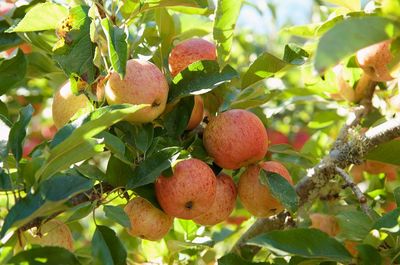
point(235, 138)
point(188, 52)
point(66, 105)
point(189, 192)
point(197, 113)
point(224, 202)
point(374, 61)
point(325, 223)
point(30, 144)
point(257, 198)
point(53, 233)
point(276, 137)
point(147, 221)
point(143, 83)
point(300, 139)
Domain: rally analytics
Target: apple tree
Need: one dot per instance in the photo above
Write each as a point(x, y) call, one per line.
point(159, 132)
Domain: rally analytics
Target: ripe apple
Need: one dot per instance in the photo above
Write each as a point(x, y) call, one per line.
point(29, 145)
point(189, 192)
point(53, 233)
point(256, 197)
point(326, 223)
point(300, 139)
point(223, 204)
point(374, 61)
point(188, 52)
point(276, 137)
point(376, 167)
point(197, 113)
point(5, 7)
point(235, 138)
point(143, 83)
point(147, 221)
point(66, 105)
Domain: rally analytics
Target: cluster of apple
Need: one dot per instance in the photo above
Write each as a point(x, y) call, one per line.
point(234, 139)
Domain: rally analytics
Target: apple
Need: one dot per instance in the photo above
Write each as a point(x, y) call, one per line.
point(189, 192)
point(374, 61)
point(147, 221)
point(326, 223)
point(66, 105)
point(300, 139)
point(197, 113)
point(52, 233)
point(376, 167)
point(188, 52)
point(256, 197)
point(5, 7)
point(223, 204)
point(143, 83)
point(29, 145)
point(276, 137)
point(235, 138)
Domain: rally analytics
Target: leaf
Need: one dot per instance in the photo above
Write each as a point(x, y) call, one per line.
point(12, 71)
point(118, 215)
point(294, 54)
point(176, 121)
point(199, 78)
point(107, 248)
point(118, 172)
point(152, 167)
point(304, 242)
point(266, 65)
point(49, 198)
point(75, 52)
point(143, 136)
point(233, 259)
point(81, 211)
point(368, 255)
point(226, 16)
point(117, 46)
point(80, 136)
point(387, 153)
point(18, 131)
point(34, 19)
point(350, 35)
point(8, 40)
point(45, 255)
point(5, 181)
point(350, 4)
point(113, 143)
point(389, 222)
point(349, 219)
point(396, 194)
point(280, 188)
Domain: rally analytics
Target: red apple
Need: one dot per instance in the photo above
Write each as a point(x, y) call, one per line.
point(235, 138)
point(300, 139)
point(197, 113)
point(189, 192)
point(276, 137)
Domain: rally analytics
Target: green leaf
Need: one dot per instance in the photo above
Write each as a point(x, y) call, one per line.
point(294, 54)
point(34, 20)
point(45, 255)
point(12, 71)
point(152, 167)
point(304, 242)
point(280, 188)
point(350, 35)
point(8, 40)
point(107, 248)
point(18, 131)
point(396, 194)
point(389, 222)
point(118, 172)
point(75, 52)
point(79, 138)
point(350, 4)
point(233, 259)
point(226, 16)
point(5, 181)
point(117, 214)
point(117, 46)
point(166, 28)
point(113, 143)
point(349, 219)
point(199, 78)
point(266, 65)
point(49, 198)
point(177, 120)
point(387, 153)
point(81, 211)
point(368, 255)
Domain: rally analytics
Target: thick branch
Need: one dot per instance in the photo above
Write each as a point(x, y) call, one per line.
point(93, 194)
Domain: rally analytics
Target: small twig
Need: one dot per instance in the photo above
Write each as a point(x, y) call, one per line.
point(353, 120)
point(360, 196)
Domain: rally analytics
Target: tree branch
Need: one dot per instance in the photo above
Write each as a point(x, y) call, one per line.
point(360, 196)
